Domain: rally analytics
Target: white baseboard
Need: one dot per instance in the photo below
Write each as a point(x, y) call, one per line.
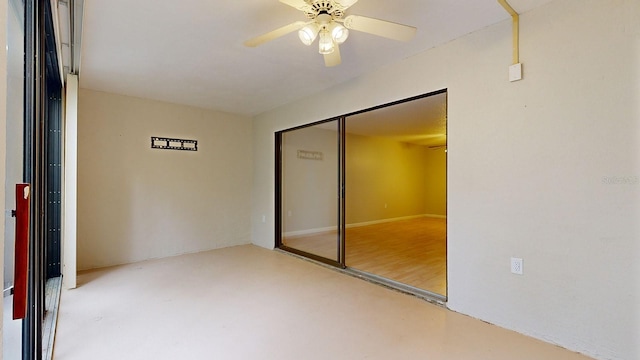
point(366, 223)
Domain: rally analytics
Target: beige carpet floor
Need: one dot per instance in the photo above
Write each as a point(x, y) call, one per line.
point(250, 303)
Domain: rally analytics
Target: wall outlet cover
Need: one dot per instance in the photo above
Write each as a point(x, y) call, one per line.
point(517, 266)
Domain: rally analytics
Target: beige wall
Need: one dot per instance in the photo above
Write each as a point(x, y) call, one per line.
point(137, 203)
point(435, 163)
point(385, 179)
point(545, 169)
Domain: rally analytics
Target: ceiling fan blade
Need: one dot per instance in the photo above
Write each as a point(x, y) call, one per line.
point(334, 58)
point(383, 28)
point(275, 34)
point(298, 4)
point(345, 4)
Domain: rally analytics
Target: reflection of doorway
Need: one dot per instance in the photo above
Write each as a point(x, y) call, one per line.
point(389, 220)
point(396, 192)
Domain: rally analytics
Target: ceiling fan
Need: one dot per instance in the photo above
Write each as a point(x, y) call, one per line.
point(327, 21)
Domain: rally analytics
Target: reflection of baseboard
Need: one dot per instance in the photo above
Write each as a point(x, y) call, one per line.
point(382, 221)
point(366, 223)
point(310, 231)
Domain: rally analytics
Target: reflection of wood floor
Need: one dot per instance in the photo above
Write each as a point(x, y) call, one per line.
point(409, 251)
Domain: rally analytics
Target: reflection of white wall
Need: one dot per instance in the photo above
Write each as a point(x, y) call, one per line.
point(137, 203)
point(526, 165)
point(310, 190)
point(14, 138)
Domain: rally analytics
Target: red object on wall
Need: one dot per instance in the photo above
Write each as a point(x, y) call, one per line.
point(23, 197)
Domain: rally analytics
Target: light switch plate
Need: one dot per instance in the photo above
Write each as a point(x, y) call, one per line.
point(515, 72)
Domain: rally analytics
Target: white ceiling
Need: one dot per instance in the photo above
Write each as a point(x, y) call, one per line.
point(191, 51)
point(422, 121)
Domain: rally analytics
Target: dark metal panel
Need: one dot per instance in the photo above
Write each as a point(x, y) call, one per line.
point(42, 112)
point(278, 195)
point(31, 336)
point(342, 220)
point(54, 180)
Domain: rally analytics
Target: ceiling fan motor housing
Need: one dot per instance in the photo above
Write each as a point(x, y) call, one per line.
point(324, 7)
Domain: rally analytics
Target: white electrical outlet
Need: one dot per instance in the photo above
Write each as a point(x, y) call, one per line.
point(264, 218)
point(516, 266)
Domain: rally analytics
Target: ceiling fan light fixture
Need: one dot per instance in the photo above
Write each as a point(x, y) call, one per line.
point(326, 43)
point(339, 33)
point(309, 33)
point(326, 20)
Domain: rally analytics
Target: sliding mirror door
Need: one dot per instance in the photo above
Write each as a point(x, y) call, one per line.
point(367, 192)
point(396, 193)
point(309, 199)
